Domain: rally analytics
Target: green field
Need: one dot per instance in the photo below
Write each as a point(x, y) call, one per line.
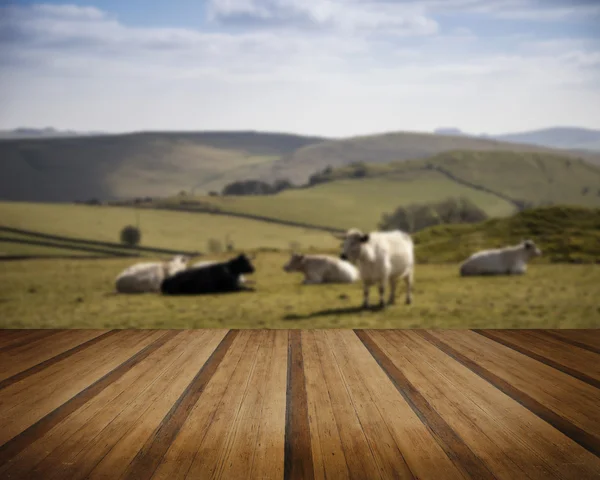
point(78, 293)
point(357, 203)
point(492, 180)
point(160, 228)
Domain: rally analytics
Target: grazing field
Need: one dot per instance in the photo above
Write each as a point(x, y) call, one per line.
point(359, 195)
point(79, 293)
point(358, 203)
point(160, 228)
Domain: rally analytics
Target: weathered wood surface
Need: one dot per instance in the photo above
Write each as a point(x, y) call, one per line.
point(300, 404)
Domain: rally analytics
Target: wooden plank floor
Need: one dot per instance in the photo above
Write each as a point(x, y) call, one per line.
point(309, 404)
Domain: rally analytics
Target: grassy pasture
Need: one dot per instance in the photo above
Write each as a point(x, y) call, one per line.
point(357, 203)
point(160, 228)
point(79, 294)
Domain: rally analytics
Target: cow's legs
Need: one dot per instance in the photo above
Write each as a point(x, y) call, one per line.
point(393, 285)
point(382, 293)
point(409, 280)
point(366, 288)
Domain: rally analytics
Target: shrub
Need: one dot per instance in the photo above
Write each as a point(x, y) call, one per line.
point(215, 245)
point(131, 235)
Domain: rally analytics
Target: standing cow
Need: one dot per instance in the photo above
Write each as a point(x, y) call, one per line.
point(510, 260)
point(381, 257)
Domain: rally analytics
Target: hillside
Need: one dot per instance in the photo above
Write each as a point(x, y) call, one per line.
point(139, 164)
point(163, 163)
point(182, 231)
point(498, 182)
point(387, 148)
point(564, 234)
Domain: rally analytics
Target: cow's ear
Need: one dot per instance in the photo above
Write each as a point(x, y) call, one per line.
point(364, 238)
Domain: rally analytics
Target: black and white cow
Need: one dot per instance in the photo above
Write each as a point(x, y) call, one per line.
point(215, 278)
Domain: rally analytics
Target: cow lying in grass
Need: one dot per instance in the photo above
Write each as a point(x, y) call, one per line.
point(206, 263)
point(147, 276)
point(215, 278)
point(381, 257)
point(322, 269)
point(510, 260)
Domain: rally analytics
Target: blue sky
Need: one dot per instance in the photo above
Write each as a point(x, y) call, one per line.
point(327, 67)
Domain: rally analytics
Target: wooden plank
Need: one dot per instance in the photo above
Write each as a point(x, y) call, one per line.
point(589, 338)
point(535, 447)
point(386, 452)
point(150, 455)
point(137, 351)
point(8, 336)
point(244, 444)
point(98, 437)
point(360, 462)
point(423, 454)
point(208, 461)
point(415, 443)
point(63, 442)
point(564, 402)
point(49, 354)
point(298, 451)
point(25, 402)
point(25, 338)
point(327, 452)
point(268, 458)
point(586, 343)
point(63, 445)
point(462, 440)
point(180, 455)
point(161, 396)
point(582, 365)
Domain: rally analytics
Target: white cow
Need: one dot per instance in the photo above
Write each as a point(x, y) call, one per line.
point(322, 269)
point(147, 276)
point(510, 260)
point(206, 263)
point(381, 257)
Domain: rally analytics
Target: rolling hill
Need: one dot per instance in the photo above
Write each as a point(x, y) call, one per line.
point(498, 182)
point(163, 163)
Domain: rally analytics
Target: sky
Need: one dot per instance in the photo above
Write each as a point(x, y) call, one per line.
point(321, 67)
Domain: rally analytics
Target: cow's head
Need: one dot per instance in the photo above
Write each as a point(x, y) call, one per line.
point(353, 240)
point(294, 263)
point(531, 248)
point(241, 264)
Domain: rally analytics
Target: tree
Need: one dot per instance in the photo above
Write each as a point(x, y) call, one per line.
point(131, 235)
point(415, 217)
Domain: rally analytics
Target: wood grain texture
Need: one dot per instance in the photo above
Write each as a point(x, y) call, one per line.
point(569, 337)
point(465, 459)
point(149, 457)
point(36, 359)
point(277, 404)
point(535, 386)
point(581, 365)
point(298, 461)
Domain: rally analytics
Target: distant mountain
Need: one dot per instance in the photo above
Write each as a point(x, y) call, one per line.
point(572, 138)
point(450, 131)
point(48, 132)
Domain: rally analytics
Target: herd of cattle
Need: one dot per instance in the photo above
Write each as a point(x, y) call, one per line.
point(377, 258)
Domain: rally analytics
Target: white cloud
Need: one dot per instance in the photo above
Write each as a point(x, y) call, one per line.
point(362, 70)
